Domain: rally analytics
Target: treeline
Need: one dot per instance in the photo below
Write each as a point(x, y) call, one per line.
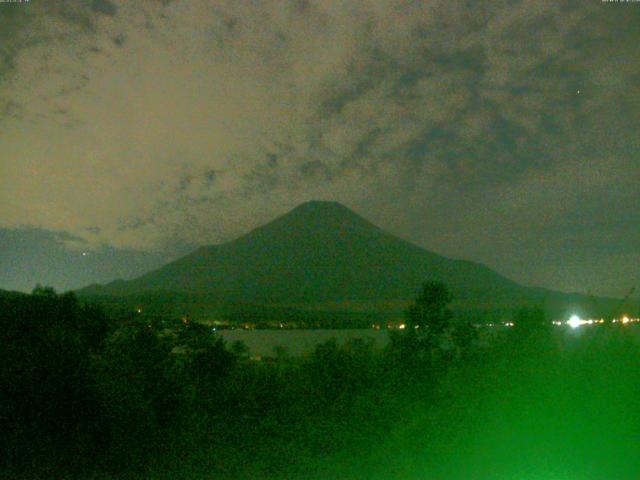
point(84, 393)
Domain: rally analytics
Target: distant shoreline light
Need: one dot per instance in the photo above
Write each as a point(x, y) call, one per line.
point(575, 321)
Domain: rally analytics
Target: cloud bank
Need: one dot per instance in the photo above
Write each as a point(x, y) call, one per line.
point(468, 127)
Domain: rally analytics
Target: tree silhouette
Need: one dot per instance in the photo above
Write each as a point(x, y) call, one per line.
point(430, 311)
point(431, 332)
point(42, 291)
point(240, 349)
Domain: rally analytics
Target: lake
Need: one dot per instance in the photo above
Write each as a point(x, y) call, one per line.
point(298, 342)
point(302, 342)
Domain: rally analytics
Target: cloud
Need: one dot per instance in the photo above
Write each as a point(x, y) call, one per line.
point(106, 7)
point(194, 120)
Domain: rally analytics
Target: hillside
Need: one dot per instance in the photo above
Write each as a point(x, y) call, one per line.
point(323, 254)
point(318, 252)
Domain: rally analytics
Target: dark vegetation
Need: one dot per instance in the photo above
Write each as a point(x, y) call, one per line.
point(85, 393)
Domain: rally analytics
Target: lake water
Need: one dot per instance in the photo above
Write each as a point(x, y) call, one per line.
point(298, 342)
point(302, 342)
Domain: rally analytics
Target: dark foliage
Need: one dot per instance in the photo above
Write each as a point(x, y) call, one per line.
point(430, 311)
point(432, 336)
point(84, 394)
point(46, 406)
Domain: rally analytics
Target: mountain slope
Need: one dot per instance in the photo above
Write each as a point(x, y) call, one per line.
point(318, 252)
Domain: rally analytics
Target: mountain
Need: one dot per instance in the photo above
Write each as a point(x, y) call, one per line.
point(323, 255)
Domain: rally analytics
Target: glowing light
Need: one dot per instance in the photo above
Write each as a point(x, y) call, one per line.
point(84, 254)
point(575, 321)
point(625, 319)
point(401, 327)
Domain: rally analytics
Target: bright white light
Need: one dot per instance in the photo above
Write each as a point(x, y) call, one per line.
point(575, 321)
point(625, 319)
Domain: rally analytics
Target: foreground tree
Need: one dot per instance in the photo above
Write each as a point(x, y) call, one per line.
point(430, 311)
point(47, 407)
point(427, 319)
point(431, 332)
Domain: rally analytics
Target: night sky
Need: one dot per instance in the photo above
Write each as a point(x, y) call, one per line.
point(504, 132)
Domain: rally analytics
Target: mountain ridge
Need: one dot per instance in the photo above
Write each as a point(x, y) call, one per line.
point(313, 238)
point(323, 252)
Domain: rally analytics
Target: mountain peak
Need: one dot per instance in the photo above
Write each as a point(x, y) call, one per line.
point(314, 219)
point(322, 214)
point(322, 207)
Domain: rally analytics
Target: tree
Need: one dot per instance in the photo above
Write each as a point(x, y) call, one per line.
point(340, 371)
point(430, 311)
point(240, 349)
point(41, 291)
point(133, 389)
point(428, 326)
point(47, 406)
point(431, 331)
